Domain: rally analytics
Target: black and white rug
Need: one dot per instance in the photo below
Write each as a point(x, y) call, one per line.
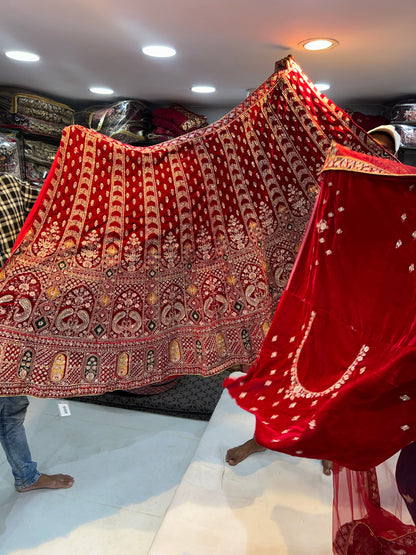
point(191, 397)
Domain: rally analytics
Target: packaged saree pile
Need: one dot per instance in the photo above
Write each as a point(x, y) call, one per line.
point(38, 157)
point(128, 121)
point(33, 113)
point(9, 154)
point(138, 264)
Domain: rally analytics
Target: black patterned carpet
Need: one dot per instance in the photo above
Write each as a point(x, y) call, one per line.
point(191, 397)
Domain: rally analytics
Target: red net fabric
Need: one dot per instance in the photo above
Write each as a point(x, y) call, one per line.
point(369, 516)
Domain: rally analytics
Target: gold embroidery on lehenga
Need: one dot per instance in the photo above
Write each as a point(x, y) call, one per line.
point(59, 367)
point(266, 327)
point(91, 368)
point(150, 361)
point(221, 344)
point(123, 365)
point(25, 364)
point(24, 313)
point(174, 351)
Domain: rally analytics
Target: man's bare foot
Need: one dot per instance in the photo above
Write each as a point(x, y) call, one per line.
point(47, 481)
point(327, 467)
point(241, 452)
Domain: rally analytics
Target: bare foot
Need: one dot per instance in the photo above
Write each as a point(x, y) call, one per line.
point(47, 481)
point(238, 454)
point(327, 467)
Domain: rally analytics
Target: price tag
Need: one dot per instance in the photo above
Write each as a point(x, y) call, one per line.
point(64, 409)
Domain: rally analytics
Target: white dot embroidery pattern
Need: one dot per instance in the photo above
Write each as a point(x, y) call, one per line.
point(297, 390)
point(399, 242)
point(321, 226)
point(324, 225)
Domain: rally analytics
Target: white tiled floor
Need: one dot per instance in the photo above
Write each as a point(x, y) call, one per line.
point(148, 484)
point(126, 464)
point(269, 504)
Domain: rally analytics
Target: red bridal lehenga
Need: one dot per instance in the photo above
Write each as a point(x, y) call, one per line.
point(139, 264)
point(335, 378)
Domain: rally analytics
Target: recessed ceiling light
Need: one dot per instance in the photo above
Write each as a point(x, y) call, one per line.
point(101, 90)
point(22, 56)
point(322, 86)
point(204, 89)
point(159, 51)
point(318, 44)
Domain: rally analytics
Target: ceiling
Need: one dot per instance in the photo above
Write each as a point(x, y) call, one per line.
point(231, 44)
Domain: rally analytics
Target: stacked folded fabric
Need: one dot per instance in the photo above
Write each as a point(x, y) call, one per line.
point(407, 135)
point(404, 113)
point(128, 121)
point(38, 159)
point(176, 120)
point(35, 114)
point(9, 154)
point(405, 116)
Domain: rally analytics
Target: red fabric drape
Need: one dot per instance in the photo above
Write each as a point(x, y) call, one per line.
point(369, 516)
point(143, 263)
point(336, 378)
point(336, 373)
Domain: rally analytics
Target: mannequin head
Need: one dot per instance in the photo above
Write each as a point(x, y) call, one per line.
point(386, 136)
point(384, 140)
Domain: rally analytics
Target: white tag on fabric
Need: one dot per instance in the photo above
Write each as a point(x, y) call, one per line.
point(64, 409)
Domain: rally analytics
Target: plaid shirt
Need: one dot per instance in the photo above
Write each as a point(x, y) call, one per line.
point(16, 200)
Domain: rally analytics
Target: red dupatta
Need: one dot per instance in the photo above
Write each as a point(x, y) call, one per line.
point(369, 516)
point(336, 373)
point(336, 377)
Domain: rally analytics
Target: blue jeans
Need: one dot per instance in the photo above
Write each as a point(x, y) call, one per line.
point(14, 442)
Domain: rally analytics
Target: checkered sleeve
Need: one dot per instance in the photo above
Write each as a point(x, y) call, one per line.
point(16, 200)
point(29, 195)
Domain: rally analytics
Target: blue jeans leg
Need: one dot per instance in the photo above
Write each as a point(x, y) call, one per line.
point(14, 441)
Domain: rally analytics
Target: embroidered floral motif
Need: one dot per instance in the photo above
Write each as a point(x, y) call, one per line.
point(296, 388)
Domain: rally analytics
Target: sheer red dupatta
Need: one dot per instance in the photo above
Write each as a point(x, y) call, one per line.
point(369, 515)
